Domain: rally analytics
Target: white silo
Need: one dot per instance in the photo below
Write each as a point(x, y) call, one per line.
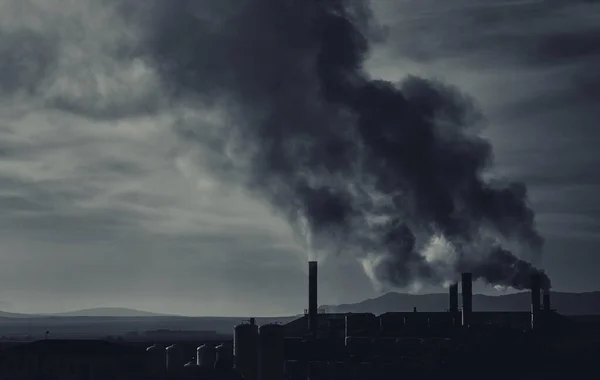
point(245, 350)
point(206, 355)
point(271, 364)
point(191, 370)
point(156, 357)
point(224, 356)
point(174, 358)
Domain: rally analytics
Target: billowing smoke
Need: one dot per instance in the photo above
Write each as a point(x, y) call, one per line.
point(371, 168)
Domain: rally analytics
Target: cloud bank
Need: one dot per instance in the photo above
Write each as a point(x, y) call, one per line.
point(124, 122)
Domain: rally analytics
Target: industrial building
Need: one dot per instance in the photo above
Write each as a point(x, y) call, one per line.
point(363, 345)
point(459, 341)
point(391, 345)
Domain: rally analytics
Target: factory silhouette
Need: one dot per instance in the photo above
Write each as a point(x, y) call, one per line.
point(456, 342)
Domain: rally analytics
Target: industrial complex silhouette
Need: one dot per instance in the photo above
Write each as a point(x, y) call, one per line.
point(456, 342)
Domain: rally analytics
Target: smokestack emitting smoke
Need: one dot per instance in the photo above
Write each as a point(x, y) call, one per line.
point(535, 292)
point(312, 296)
point(546, 301)
point(453, 301)
point(367, 167)
point(467, 298)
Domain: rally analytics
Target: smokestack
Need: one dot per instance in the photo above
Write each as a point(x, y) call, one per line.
point(453, 292)
point(312, 296)
point(467, 298)
point(546, 301)
point(536, 281)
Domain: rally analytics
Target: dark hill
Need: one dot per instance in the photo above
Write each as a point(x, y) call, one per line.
point(565, 303)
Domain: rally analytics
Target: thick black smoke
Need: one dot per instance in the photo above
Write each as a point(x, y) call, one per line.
point(374, 168)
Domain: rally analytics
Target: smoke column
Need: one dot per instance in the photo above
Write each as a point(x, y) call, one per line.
point(371, 168)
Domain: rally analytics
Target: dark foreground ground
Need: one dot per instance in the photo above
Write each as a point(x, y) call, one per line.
point(483, 353)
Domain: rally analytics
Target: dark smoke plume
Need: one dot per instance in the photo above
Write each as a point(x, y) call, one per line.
point(373, 168)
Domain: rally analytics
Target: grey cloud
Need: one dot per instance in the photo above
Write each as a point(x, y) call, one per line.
point(114, 166)
point(539, 33)
point(559, 37)
point(538, 86)
point(193, 277)
point(92, 205)
point(82, 60)
point(91, 170)
point(28, 60)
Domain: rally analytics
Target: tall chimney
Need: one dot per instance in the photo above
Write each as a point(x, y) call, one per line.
point(536, 282)
point(467, 298)
point(453, 292)
point(312, 296)
point(546, 301)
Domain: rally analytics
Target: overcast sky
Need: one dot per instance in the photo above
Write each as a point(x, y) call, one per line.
point(102, 204)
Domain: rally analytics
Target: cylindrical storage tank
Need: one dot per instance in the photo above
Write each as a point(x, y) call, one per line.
point(206, 356)
point(174, 358)
point(271, 352)
point(155, 349)
point(245, 350)
point(224, 358)
point(199, 354)
point(191, 369)
point(156, 358)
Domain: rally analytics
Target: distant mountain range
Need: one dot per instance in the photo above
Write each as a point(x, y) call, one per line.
point(110, 312)
point(565, 303)
point(93, 312)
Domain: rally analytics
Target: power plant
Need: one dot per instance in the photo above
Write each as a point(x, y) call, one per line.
point(458, 341)
point(363, 345)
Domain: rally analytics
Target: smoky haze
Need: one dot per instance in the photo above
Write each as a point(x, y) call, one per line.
point(383, 171)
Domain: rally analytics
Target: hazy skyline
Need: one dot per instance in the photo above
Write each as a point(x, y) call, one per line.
point(104, 205)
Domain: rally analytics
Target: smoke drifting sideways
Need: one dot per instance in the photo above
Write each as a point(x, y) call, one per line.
point(365, 167)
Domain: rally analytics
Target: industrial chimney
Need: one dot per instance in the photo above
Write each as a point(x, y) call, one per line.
point(536, 282)
point(546, 297)
point(453, 293)
point(467, 298)
point(312, 297)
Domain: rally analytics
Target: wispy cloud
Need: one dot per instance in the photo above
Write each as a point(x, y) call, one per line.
point(92, 177)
